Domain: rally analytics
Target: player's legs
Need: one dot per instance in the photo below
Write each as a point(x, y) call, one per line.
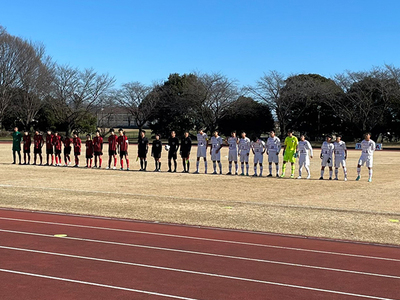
point(270, 168)
point(283, 168)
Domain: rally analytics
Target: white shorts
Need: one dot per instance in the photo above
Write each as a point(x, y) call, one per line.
point(201, 151)
point(367, 160)
point(244, 157)
point(258, 158)
point(215, 156)
point(232, 156)
point(273, 157)
point(340, 161)
point(304, 160)
point(325, 163)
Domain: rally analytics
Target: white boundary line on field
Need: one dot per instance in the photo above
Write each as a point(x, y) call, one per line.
point(203, 254)
point(95, 284)
point(202, 239)
point(201, 273)
point(206, 200)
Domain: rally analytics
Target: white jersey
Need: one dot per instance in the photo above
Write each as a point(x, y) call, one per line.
point(216, 142)
point(202, 140)
point(258, 147)
point(327, 149)
point(244, 145)
point(232, 142)
point(367, 148)
point(273, 145)
point(340, 149)
point(305, 148)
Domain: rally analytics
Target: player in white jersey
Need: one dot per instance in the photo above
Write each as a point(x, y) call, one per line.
point(305, 153)
point(326, 156)
point(367, 155)
point(273, 149)
point(202, 144)
point(244, 151)
point(340, 151)
point(216, 145)
point(232, 142)
point(258, 148)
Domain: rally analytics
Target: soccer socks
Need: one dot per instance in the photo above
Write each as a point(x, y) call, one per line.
point(184, 165)
point(300, 171)
point(141, 164)
point(270, 169)
point(308, 170)
point(283, 169)
point(247, 168)
point(230, 167)
point(197, 166)
point(292, 169)
point(255, 170)
point(220, 167)
point(52, 159)
point(56, 160)
point(175, 165)
point(115, 161)
point(101, 161)
point(322, 173)
point(205, 166)
point(215, 166)
point(169, 165)
point(236, 167)
point(370, 173)
point(330, 173)
point(336, 173)
point(145, 164)
point(345, 172)
point(242, 167)
point(188, 165)
point(122, 163)
point(261, 170)
point(277, 169)
point(127, 163)
point(358, 171)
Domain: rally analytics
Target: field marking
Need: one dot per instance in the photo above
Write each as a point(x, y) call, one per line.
point(203, 239)
point(95, 284)
point(258, 260)
point(203, 274)
point(207, 200)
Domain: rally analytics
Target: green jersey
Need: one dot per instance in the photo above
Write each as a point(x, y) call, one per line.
point(291, 144)
point(17, 137)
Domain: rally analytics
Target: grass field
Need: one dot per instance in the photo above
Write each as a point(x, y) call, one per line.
point(350, 210)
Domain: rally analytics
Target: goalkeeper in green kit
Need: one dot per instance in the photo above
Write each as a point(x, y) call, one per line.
point(16, 148)
point(289, 152)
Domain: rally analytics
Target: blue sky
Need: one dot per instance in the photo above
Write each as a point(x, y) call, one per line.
point(147, 40)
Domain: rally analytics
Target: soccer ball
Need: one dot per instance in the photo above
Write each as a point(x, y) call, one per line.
point(167, 147)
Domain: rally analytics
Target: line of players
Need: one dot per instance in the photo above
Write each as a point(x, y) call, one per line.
point(239, 150)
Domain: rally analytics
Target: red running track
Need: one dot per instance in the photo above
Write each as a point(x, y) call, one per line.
point(104, 258)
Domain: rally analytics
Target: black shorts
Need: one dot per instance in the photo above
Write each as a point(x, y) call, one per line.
point(142, 154)
point(185, 154)
point(27, 151)
point(37, 150)
point(172, 155)
point(90, 156)
point(77, 153)
point(123, 153)
point(157, 155)
point(57, 152)
point(112, 152)
point(98, 153)
point(67, 150)
point(49, 151)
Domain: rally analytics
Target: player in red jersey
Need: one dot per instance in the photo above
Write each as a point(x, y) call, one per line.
point(27, 146)
point(77, 148)
point(112, 149)
point(89, 151)
point(67, 150)
point(38, 143)
point(98, 149)
point(123, 149)
point(49, 148)
point(57, 142)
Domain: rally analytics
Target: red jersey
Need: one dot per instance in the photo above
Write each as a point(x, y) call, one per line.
point(77, 144)
point(112, 142)
point(57, 142)
point(122, 143)
point(38, 141)
point(49, 141)
point(27, 142)
point(67, 142)
point(89, 147)
point(98, 143)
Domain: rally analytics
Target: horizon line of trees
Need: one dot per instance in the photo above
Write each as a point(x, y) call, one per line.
point(37, 93)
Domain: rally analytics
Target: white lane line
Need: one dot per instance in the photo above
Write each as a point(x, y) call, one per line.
point(202, 274)
point(96, 284)
point(203, 254)
point(279, 205)
point(204, 239)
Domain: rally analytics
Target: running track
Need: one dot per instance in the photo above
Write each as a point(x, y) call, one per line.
point(121, 259)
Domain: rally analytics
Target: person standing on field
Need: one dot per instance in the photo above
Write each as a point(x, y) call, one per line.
point(232, 142)
point(16, 148)
point(67, 150)
point(156, 150)
point(216, 145)
point(368, 147)
point(326, 157)
point(27, 147)
point(202, 144)
point(143, 148)
point(38, 143)
point(186, 147)
point(340, 151)
point(173, 143)
point(258, 148)
point(77, 148)
point(123, 144)
point(244, 152)
point(112, 149)
point(305, 153)
point(98, 149)
point(49, 148)
point(57, 142)
point(273, 149)
point(289, 152)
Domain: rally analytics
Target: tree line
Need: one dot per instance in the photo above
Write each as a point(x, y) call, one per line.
point(37, 93)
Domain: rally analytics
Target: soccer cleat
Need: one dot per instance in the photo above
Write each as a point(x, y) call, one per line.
point(336, 178)
point(308, 177)
point(156, 170)
point(282, 175)
point(214, 173)
point(126, 169)
point(358, 178)
point(345, 179)
point(241, 174)
point(292, 176)
point(277, 175)
point(196, 172)
point(299, 177)
point(169, 171)
point(108, 168)
point(236, 173)
point(269, 175)
point(174, 171)
point(220, 172)
point(247, 174)
point(330, 178)
point(229, 173)
point(255, 175)
point(369, 179)
point(114, 168)
point(121, 169)
point(321, 178)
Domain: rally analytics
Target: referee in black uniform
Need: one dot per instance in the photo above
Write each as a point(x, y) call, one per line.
point(173, 143)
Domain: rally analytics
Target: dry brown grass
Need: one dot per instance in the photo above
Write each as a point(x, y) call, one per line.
point(344, 210)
